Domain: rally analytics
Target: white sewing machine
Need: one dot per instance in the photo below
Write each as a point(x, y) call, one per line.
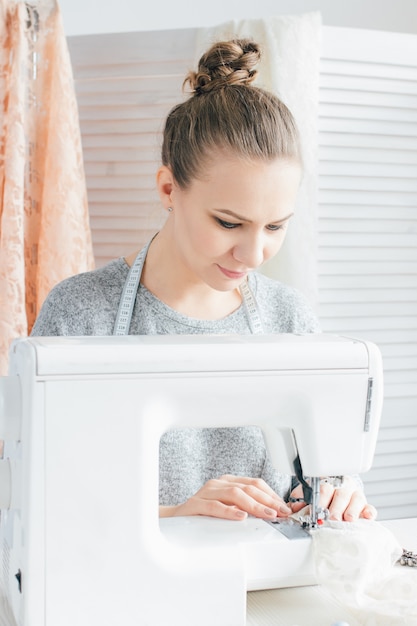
point(82, 418)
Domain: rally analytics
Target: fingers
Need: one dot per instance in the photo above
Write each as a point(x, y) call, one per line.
point(369, 512)
point(234, 497)
point(346, 503)
point(251, 495)
point(213, 508)
point(349, 504)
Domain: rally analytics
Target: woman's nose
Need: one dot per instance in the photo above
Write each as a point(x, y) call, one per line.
point(250, 252)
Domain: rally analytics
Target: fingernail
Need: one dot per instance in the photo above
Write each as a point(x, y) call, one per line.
point(240, 514)
point(270, 512)
point(284, 509)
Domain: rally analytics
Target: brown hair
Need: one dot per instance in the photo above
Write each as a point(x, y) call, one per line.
point(226, 112)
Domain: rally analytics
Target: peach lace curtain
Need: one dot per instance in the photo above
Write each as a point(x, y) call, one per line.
point(44, 225)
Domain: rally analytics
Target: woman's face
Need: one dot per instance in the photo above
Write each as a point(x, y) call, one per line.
point(232, 219)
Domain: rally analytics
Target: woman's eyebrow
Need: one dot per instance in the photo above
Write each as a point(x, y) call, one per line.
point(244, 219)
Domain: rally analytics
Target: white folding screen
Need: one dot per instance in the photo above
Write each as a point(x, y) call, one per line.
point(368, 231)
point(367, 240)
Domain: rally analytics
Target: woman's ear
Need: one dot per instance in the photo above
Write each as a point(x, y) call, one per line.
point(165, 184)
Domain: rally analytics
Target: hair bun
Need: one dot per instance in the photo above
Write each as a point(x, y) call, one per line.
point(225, 63)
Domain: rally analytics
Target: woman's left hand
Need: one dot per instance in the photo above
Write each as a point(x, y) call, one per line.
point(347, 502)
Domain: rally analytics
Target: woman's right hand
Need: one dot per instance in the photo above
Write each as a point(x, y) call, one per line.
point(232, 497)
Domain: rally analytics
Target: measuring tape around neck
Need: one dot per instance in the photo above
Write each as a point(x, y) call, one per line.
point(128, 298)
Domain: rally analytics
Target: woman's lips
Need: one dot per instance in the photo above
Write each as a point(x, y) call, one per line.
point(231, 274)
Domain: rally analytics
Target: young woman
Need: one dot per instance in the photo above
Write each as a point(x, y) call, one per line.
point(231, 167)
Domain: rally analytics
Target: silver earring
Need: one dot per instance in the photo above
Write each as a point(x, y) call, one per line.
point(170, 209)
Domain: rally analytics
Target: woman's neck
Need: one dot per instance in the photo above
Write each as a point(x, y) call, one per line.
point(166, 278)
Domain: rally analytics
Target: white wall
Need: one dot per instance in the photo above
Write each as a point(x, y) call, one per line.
point(110, 16)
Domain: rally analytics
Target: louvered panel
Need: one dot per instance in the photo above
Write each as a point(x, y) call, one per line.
point(353, 267)
point(140, 210)
point(393, 184)
point(363, 213)
point(398, 103)
point(397, 356)
point(114, 250)
point(111, 224)
point(356, 112)
point(331, 152)
point(365, 139)
point(391, 486)
point(339, 72)
point(383, 128)
point(374, 197)
point(373, 281)
point(147, 125)
point(373, 310)
point(362, 324)
point(339, 167)
point(388, 461)
point(402, 376)
point(373, 253)
point(132, 92)
point(125, 84)
point(140, 182)
point(96, 111)
point(397, 446)
point(109, 141)
point(392, 499)
point(368, 233)
point(355, 225)
point(118, 169)
point(379, 477)
point(392, 336)
point(145, 155)
point(118, 53)
point(390, 82)
point(118, 236)
point(391, 436)
point(380, 240)
point(372, 296)
point(168, 67)
point(122, 196)
point(399, 412)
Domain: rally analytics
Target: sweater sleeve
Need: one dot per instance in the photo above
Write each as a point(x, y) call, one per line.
point(85, 304)
point(62, 313)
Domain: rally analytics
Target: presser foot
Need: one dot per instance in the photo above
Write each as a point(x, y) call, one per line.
point(290, 527)
point(311, 522)
point(299, 526)
point(309, 517)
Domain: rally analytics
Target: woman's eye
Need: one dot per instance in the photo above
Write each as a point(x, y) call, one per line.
point(274, 227)
point(226, 224)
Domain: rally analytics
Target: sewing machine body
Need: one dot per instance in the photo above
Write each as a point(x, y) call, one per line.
point(81, 539)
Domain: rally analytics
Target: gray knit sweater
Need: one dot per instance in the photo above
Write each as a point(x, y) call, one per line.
point(87, 304)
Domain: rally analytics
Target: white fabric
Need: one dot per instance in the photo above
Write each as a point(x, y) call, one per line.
point(356, 563)
point(289, 68)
